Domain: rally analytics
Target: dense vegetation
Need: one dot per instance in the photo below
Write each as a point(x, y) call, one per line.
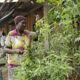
point(56, 54)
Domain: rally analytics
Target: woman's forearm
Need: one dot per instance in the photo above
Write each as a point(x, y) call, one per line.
point(9, 51)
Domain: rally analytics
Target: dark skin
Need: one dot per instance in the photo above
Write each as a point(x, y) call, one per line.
point(20, 28)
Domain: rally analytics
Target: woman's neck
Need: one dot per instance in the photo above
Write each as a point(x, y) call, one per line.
point(19, 32)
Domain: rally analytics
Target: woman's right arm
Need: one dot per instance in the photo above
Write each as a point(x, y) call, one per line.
point(11, 51)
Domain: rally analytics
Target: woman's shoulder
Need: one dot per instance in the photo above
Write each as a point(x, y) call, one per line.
point(11, 33)
point(26, 31)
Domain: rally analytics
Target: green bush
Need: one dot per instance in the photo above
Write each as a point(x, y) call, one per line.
point(63, 53)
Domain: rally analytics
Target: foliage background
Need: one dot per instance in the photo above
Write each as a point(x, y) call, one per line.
point(61, 29)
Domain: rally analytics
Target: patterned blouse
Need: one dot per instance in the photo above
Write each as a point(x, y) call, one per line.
point(15, 41)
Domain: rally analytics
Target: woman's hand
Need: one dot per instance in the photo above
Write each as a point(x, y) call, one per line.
point(19, 51)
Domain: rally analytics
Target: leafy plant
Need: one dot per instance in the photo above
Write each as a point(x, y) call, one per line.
point(61, 61)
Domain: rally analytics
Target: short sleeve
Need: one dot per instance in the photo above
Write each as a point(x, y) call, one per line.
point(33, 35)
point(8, 40)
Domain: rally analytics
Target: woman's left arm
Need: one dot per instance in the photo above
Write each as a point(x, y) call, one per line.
point(34, 35)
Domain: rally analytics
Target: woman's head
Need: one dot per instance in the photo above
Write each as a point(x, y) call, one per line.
point(20, 23)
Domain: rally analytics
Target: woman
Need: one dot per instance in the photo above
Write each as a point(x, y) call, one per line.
point(17, 42)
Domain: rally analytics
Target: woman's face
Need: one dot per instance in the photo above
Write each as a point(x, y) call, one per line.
point(21, 25)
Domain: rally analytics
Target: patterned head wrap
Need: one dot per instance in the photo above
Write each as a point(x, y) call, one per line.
point(17, 19)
